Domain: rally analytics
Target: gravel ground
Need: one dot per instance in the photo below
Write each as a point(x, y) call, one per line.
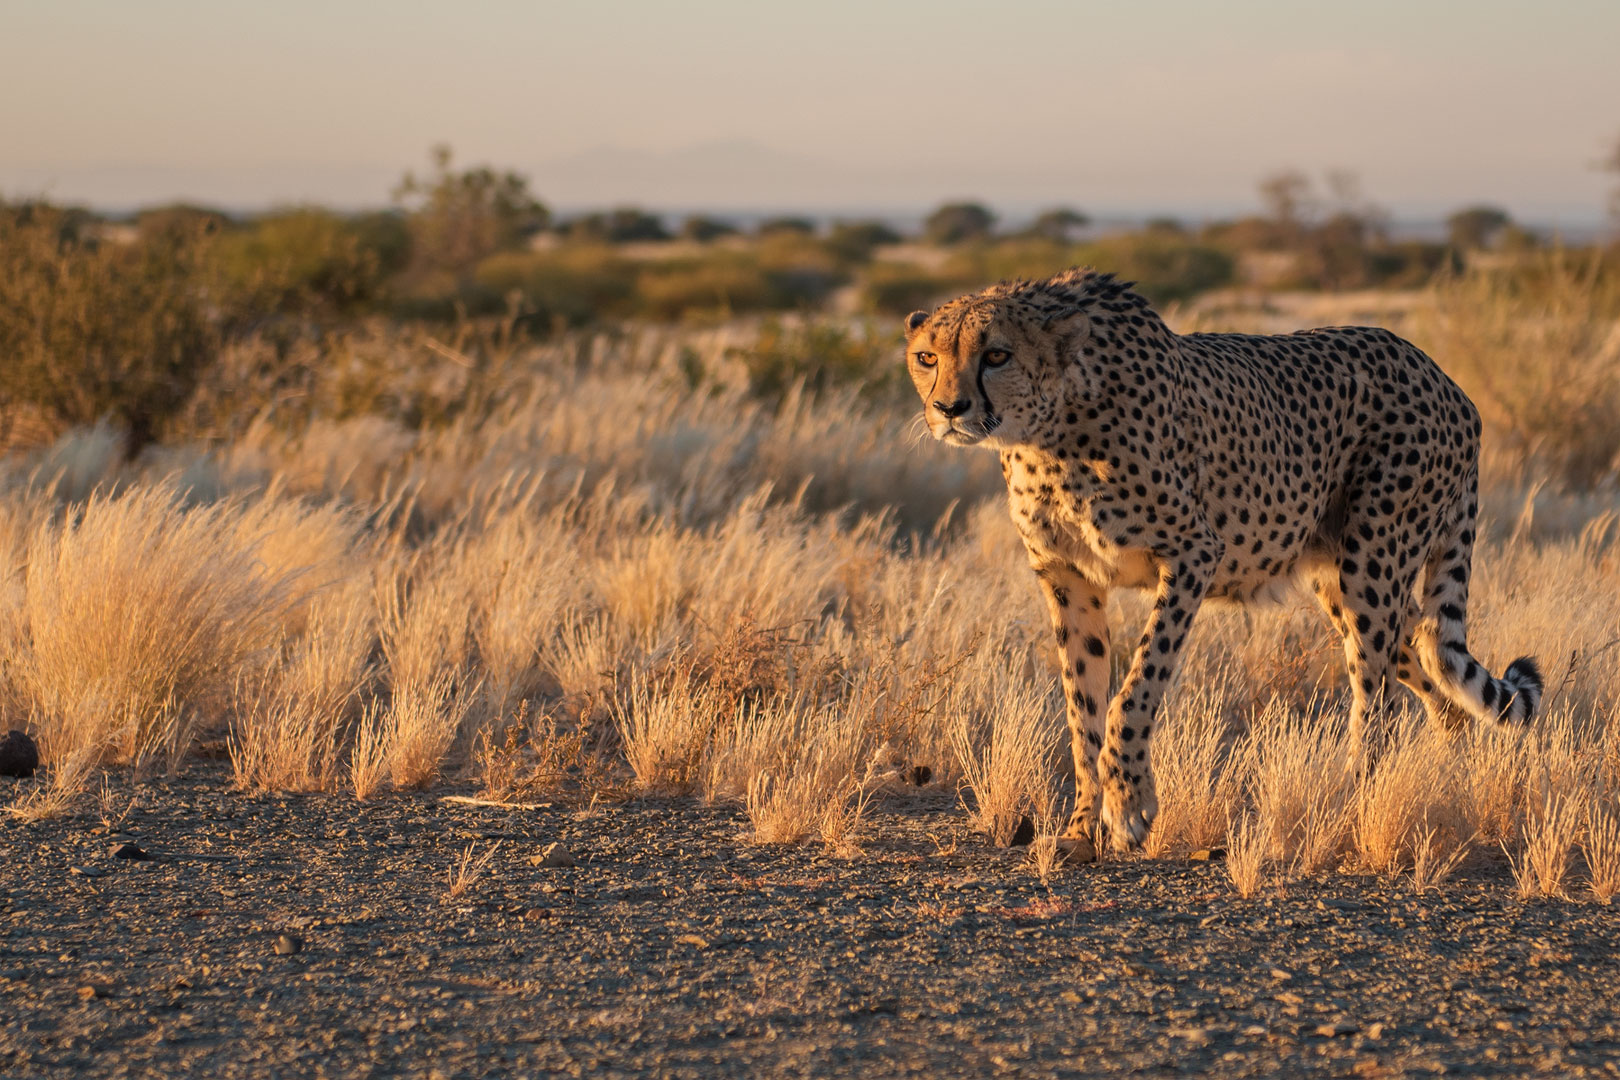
point(674, 948)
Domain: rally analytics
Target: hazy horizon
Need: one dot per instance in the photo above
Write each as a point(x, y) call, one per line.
point(1167, 107)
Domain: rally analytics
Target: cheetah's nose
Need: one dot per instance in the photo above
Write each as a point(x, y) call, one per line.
point(952, 409)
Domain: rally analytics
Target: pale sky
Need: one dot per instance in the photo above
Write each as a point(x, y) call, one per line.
point(1118, 108)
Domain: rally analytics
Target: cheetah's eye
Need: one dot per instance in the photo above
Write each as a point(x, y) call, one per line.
point(926, 359)
point(996, 357)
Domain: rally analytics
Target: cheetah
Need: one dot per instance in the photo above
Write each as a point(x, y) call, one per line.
point(1216, 466)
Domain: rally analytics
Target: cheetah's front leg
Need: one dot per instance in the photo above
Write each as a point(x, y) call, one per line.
point(1124, 767)
point(1080, 621)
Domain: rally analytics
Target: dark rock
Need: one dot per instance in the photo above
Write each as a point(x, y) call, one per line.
point(1024, 835)
point(19, 755)
point(287, 945)
point(128, 849)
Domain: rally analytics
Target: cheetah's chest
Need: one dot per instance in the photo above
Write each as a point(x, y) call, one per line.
point(1073, 528)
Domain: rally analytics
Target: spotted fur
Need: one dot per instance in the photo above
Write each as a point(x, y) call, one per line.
point(1218, 466)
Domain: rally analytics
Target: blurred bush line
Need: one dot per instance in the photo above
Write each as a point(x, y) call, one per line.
point(127, 320)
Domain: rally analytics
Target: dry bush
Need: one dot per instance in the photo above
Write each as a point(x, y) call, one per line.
point(539, 757)
point(143, 613)
point(1006, 761)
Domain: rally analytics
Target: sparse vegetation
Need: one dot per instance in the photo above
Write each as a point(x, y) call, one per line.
point(705, 556)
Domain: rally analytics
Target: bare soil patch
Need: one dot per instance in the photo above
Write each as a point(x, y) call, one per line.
point(316, 936)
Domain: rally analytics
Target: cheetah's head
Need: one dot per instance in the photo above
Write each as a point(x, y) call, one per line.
point(988, 366)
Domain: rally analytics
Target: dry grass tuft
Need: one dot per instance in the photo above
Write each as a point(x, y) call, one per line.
point(1434, 858)
point(802, 766)
point(420, 727)
point(292, 719)
point(1549, 836)
point(841, 823)
point(1044, 855)
point(461, 877)
point(1601, 848)
point(666, 727)
point(1198, 787)
point(140, 615)
point(1302, 780)
point(1412, 794)
point(1246, 844)
point(368, 764)
point(57, 796)
point(1007, 762)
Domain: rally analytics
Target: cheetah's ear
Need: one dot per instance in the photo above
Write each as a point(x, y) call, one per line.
point(1070, 329)
point(915, 320)
point(1073, 325)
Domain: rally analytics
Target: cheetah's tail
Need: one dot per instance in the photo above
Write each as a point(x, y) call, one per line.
point(1515, 698)
point(1519, 690)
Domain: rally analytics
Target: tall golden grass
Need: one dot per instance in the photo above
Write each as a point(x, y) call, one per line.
point(630, 555)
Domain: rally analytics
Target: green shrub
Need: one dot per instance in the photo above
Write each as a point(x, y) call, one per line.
point(298, 261)
point(1164, 266)
point(570, 286)
point(91, 331)
point(674, 290)
point(900, 288)
point(825, 354)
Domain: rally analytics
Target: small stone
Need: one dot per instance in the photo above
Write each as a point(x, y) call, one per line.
point(1281, 974)
point(553, 855)
point(87, 993)
point(693, 940)
point(1342, 1027)
point(89, 871)
point(1209, 854)
point(1024, 835)
point(128, 849)
point(287, 945)
point(19, 755)
point(1375, 1032)
point(537, 913)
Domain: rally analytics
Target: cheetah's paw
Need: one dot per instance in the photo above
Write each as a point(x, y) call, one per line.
point(1128, 813)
